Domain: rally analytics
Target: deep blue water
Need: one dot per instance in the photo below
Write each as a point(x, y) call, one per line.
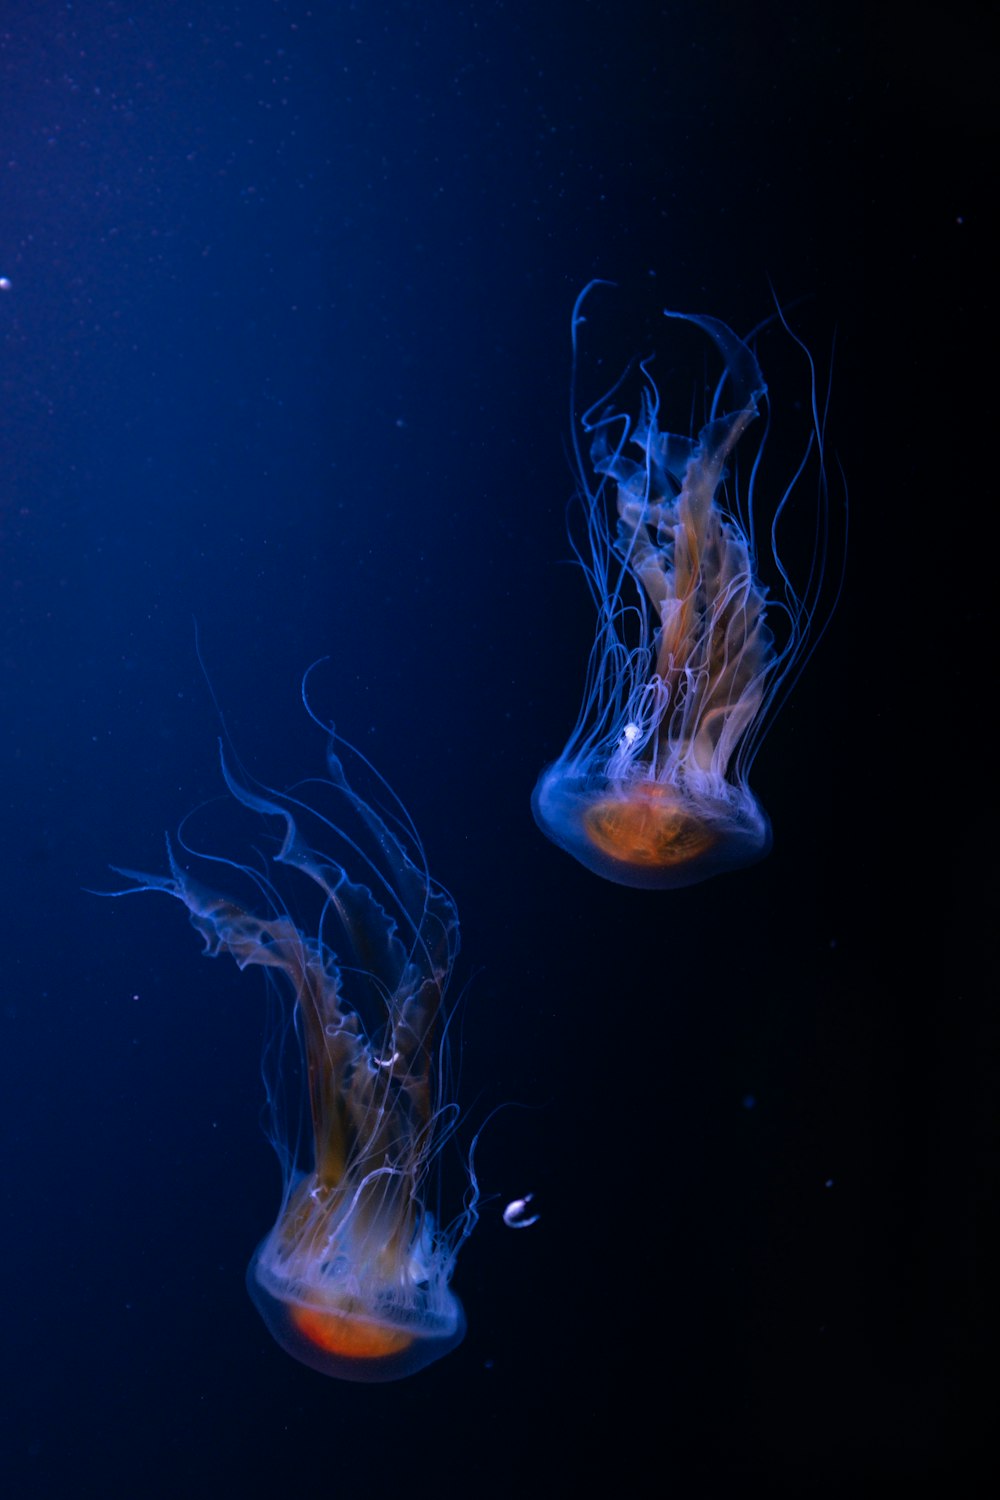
point(285, 351)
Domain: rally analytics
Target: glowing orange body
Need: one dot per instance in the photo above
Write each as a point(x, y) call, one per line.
point(649, 826)
point(348, 1336)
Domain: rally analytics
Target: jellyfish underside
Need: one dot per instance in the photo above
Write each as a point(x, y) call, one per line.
point(651, 790)
point(353, 1278)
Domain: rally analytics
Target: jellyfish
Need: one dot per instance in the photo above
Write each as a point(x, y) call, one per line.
point(341, 913)
point(686, 672)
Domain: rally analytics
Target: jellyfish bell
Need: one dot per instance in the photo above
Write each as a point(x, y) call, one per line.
point(369, 1312)
point(685, 673)
point(647, 834)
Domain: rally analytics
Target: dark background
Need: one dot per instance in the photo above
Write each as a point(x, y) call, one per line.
point(285, 349)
